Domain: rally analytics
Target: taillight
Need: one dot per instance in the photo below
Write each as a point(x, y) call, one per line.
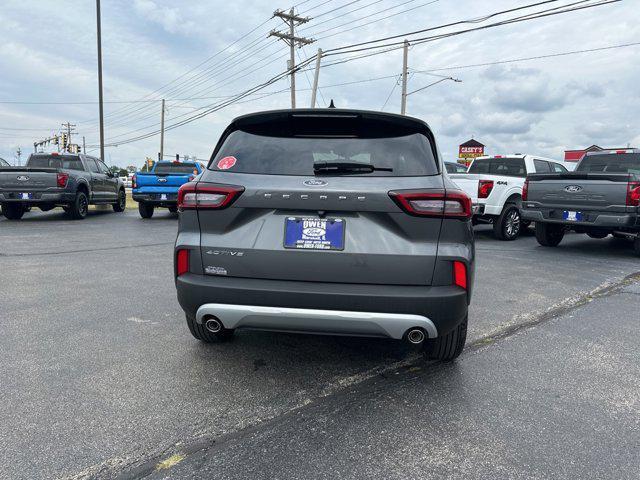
point(198, 196)
point(134, 181)
point(633, 194)
point(61, 179)
point(484, 188)
point(460, 274)
point(434, 203)
point(182, 262)
point(525, 190)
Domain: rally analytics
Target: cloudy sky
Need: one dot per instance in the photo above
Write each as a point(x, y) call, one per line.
point(155, 49)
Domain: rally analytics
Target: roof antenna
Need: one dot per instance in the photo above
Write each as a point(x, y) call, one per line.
point(332, 105)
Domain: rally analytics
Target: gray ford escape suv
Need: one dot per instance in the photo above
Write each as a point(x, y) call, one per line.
point(326, 221)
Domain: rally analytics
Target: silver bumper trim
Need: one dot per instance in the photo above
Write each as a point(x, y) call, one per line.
point(338, 322)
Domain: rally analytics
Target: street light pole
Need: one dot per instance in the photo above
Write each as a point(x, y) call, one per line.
point(100, 99)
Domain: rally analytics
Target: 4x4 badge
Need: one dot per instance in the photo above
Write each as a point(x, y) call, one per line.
point(315, 183)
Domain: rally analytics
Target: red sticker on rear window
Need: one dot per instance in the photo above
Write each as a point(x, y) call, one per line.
point(226, 163)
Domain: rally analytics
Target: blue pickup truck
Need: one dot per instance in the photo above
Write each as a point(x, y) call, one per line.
point(159, 187)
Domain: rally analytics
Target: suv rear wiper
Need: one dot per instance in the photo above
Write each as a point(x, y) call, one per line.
point(348, 167)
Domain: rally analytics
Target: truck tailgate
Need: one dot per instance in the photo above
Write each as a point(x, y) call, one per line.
point(579, 191)
point(170, 180)
point(468, 183)
point(28, 179)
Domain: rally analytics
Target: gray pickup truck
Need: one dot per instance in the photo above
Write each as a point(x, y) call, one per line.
point(600, 198)
point(51, 180)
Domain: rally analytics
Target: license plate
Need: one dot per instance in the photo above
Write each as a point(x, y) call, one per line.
point(26, 196)
point(308, 233)
point(163, 196)
point(570, 216)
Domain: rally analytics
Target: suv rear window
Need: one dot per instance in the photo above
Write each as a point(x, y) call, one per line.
point(508, 167)
point(611, 163)
point(176, 168)
point(408, 155)
point(55, 161)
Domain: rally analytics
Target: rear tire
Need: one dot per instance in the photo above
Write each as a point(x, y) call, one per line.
point(549, 234)
point(636, 246)
point(146, 210)
point(173, 209)
point(201, 333)
point(13, 211)
point(121, 204)
point(450, 346)
point(80, 207)
point(507, 225)
point(597, 235)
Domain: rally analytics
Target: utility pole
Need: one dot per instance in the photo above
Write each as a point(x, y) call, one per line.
point(314, 91)
point(292, 20)
point(69, 127)
point(161, 154)
point(100, 99)
point(84, 145)
point(405, 68)
point(19, 154)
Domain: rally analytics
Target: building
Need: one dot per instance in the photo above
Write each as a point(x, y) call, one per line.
point(576, 155)
point(469, 150)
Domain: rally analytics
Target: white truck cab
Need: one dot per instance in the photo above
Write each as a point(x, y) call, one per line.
point(495, 183)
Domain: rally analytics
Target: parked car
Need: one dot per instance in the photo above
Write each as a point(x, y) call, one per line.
point(601, 197)
point(126, 181)
point(51, 180)
point(495, 187)
point(328, 222)
point(159, 187)
point(3, 162)
point(455, 167)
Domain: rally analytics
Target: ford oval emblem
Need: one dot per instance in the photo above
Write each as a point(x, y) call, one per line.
point(573, 188)
point(315, 183)
point(22, 178)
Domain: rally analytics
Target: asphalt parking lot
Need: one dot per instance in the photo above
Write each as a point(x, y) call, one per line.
point(101, 378)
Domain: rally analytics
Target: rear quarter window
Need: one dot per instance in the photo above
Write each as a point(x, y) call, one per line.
point(407, 155)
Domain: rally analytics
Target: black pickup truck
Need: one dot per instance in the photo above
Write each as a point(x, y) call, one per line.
point(600, 198)
point(51, 180)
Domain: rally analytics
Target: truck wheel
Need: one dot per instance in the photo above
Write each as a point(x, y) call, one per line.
point(201, 333)
point(173, 209)
point(449, 346)
point(80, 207)
point(507, 225)
point(13, 211)
point(549, 234)
point(146, 211)
point(636, 245)
point(121, 204)
point(598, 235)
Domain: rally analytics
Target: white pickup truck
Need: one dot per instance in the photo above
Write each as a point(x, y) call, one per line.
point(495, 187)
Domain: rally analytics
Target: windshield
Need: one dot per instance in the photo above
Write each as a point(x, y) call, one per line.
point(507, 167)
point(455, 167)
point(611, 163)
point(243, 152)
point(55, 161)
point(175, 168)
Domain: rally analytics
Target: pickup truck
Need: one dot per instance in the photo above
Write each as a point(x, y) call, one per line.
point(159, 187)
point(51, 180)
point(495, 187)
point(601, 197)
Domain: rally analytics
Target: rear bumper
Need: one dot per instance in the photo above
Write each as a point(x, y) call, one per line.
point(339, 322)
point(332, 308)
point(594, 219)
point(156, 198)
point(37, 197)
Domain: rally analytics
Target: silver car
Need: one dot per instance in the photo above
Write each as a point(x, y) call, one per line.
point(327, 221)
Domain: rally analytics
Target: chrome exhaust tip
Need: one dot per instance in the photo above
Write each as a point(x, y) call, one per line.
point(213, 325)
point(416, 336)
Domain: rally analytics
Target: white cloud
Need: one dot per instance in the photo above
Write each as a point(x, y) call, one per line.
point(168, 17)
